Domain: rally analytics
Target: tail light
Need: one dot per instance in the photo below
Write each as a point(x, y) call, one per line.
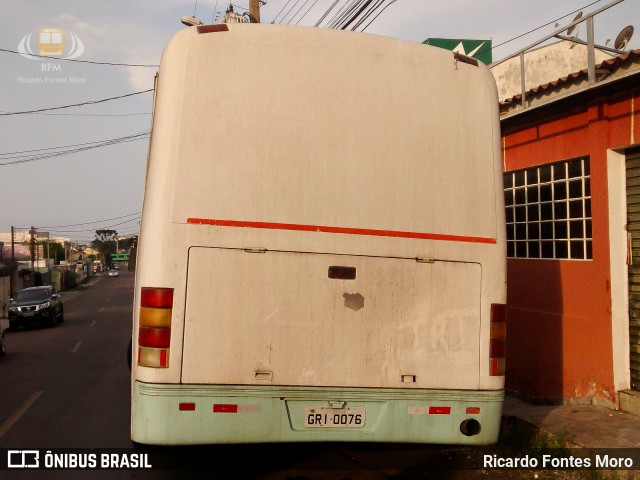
point(154, 331)
point(498, 339)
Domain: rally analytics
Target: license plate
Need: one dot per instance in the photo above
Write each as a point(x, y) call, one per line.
point(28, 314)
point(349, 417)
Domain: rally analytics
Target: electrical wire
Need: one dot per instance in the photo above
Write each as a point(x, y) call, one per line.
point(90, 102)
point(51, 153)
point(65, 146)
point(114, 64)
point(362, 17)
point(108, 227)
point(93, 114)
point(290, 10)
point(535, 29)
point(281, 10)
point(305, 13)
point(371, 11)
point(342, 14)
point(89, 223)
point(298, 11)
point(326, 13)
point(374, 18)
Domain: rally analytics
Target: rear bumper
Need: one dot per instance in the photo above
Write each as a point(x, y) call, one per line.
point(254, 414)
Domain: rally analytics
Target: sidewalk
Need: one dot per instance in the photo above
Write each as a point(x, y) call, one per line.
point(587, 426)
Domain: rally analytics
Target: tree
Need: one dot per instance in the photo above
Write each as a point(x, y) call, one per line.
point(105, 243)
point(127, 243)
point(53, 249)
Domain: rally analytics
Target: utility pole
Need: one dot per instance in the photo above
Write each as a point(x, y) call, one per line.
point(32, 245)
point(254, 10)
point(12, 285)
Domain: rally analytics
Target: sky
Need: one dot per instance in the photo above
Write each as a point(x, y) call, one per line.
point(73, 195)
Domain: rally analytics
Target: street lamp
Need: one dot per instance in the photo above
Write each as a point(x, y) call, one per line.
point(191, 21)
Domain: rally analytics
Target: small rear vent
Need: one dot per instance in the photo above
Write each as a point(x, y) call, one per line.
point(342, 273)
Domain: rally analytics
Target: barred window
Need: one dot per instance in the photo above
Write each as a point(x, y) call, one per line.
point(548, 211)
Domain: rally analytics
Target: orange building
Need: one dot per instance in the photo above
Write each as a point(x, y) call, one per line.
point(571, 159)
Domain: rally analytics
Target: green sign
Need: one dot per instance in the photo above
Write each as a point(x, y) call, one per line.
point(478, 49)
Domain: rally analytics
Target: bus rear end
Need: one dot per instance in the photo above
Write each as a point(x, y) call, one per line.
point(322, 249)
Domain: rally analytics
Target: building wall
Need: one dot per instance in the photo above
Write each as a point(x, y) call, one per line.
point(559, 311)
point(542, 65)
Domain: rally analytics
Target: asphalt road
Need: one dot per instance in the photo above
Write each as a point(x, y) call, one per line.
point(67, 388)
point(71, 382)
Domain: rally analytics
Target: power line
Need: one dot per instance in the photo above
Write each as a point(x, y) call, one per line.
point(326, 13)
point(374, 18)
point(537, 28)
point(108, 227)
point(298, 11)
point(114, 64)
point(290, 10)
point(65, 146)
point(305, 13)
point(93, 114)
point(51, 153)
point(285, 6)
point(89, 223)
point(90, 102)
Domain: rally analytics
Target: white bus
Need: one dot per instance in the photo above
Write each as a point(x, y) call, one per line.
point(322, 248)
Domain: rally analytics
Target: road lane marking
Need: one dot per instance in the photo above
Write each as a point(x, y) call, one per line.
point(76, 346)
point(6, 426)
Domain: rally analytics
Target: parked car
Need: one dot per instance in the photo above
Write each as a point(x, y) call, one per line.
point(2, 347)
point(113, 273)
point(35, 305)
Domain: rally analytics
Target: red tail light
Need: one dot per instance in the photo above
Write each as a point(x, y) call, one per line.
point(154, 330)
point(498, 339)
point(154, 337)
point(156, 297)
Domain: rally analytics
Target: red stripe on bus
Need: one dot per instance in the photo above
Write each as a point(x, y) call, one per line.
point(350, 231)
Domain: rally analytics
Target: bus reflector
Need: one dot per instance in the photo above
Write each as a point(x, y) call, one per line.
point(153, 357)
point(187, 407)
point(498, 339)
point(225, 408)
point(154, 327)
point(473, 410)
point(439, 410)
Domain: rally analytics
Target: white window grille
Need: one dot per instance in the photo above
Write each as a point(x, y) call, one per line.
point(548, 211)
